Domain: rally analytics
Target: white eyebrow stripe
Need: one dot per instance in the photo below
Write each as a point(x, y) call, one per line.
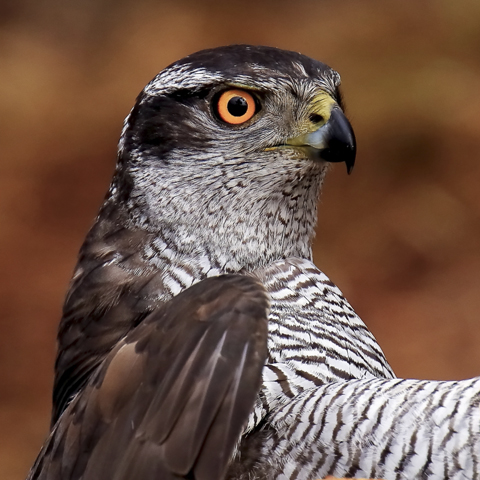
point(179, 77)
point(184, 76)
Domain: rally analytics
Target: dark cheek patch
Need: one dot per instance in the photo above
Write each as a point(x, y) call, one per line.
point(163, 124)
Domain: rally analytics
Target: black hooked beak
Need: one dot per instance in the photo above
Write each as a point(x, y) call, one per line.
point(333, 142)
point(340, 139)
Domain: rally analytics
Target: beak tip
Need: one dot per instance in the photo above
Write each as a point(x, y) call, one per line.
point(341, 143)
point(340, 153)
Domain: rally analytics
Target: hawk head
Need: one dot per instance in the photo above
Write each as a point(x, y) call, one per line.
point(228, 148)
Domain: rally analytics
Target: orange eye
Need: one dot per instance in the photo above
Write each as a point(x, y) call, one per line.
point(236, 106)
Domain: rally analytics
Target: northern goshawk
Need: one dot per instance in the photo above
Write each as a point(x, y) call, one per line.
point(263, 371)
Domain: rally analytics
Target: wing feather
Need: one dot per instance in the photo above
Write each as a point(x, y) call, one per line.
point(171, 400)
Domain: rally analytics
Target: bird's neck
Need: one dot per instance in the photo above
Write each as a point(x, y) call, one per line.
point(220, 223)
point(232, 234)
point(229, 247)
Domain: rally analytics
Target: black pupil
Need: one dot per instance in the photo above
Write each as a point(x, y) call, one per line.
point(237, 106)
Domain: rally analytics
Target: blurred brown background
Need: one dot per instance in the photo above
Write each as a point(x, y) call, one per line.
point(401, 236)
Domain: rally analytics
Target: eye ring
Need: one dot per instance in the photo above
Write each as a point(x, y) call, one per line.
point(236, 106)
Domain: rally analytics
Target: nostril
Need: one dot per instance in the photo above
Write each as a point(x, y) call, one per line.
point(315, 118)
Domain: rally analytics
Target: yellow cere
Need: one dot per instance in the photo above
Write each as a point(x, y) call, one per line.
point(322, 104)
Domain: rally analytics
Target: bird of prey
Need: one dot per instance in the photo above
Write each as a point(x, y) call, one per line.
point(198, 340)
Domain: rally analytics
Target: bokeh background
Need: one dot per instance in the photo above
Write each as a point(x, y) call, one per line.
point(401, 236)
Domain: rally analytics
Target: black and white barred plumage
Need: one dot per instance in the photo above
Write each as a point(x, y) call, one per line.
point(155, 379)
